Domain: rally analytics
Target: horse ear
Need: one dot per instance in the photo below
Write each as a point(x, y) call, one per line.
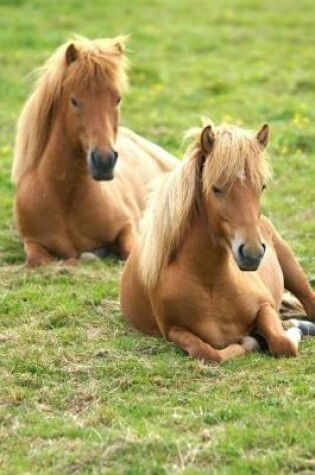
point(71, 54)
point(263, 135)
point(119, 47)
point(207, 140)
point(120, 44)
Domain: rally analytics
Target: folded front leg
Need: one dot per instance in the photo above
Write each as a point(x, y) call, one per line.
point(37, 255)
point(196, 347)
point(279, 341)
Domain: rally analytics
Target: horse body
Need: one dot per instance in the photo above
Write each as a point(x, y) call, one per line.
point(68, 150)
point(203, 292)
point(67, 220)
point(223, 278)
point(214, 298)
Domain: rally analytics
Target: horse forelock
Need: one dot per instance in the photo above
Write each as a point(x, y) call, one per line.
point(236, 153)
point(100, 64)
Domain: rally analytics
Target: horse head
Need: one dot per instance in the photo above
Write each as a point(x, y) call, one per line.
point(92, 94)
point(234, 175)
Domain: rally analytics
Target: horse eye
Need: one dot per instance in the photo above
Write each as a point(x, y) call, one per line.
point(263, 187)
point(118, 100)
point(74, 102)
point(216, 190)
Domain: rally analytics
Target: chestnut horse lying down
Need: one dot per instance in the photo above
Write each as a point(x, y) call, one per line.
point(67, 146)
point(208, 270)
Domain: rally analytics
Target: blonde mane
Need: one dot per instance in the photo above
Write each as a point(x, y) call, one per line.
point(100, 63)
point(176, 199)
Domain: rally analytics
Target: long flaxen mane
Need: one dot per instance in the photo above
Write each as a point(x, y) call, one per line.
point(99, 63)
point(177, 198)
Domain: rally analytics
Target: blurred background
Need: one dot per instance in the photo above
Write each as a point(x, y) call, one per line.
point(244, 62)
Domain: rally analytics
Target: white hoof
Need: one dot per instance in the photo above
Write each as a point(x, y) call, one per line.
point(89, 256)
point(307, 328)
point(295, 335)
point(250, 344)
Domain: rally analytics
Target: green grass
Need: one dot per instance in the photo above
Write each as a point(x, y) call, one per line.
point(81, 392)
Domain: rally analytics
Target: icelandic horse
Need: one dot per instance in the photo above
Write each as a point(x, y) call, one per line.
point(208, 271)
point(81, 180)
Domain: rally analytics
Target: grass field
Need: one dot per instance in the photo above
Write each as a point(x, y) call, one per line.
point(82, 393)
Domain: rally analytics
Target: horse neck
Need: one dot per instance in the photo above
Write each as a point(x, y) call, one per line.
point(62, 164)
point(203, 253)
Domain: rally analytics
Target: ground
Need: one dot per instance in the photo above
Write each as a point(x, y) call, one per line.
point(81, 392)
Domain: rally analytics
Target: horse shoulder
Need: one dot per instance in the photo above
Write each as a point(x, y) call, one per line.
point(177, 299)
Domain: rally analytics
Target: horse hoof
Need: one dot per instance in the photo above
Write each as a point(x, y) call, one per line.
point(89, 256)
point(295, 335)
point(250, 344)
point(307, 328)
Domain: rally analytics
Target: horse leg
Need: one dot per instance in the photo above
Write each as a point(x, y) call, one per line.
point(279, 341)
point(295, 279)
point(37, 255)
point(125, 241)
point(196, 347)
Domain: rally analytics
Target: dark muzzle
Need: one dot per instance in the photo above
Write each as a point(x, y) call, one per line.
point(249, 258)
point(101, 165)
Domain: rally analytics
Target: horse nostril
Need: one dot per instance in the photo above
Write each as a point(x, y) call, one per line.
point(115, 154)
point(94, 158)
point(263, 245)
point(241, 251)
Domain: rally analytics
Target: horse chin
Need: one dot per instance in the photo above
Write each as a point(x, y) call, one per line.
point(107, 177)
point(247, 269)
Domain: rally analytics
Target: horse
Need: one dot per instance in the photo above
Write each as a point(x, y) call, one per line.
point(73, 193)
point(208, 271)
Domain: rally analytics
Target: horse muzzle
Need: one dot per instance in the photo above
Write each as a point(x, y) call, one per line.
point(101, 165)
point(249, 258)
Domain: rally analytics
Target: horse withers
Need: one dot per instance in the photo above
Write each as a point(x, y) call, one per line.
point(208, 271)
point(81, 180)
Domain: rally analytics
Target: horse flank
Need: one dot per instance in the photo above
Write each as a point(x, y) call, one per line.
point(177, 198)
point(100, 63)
